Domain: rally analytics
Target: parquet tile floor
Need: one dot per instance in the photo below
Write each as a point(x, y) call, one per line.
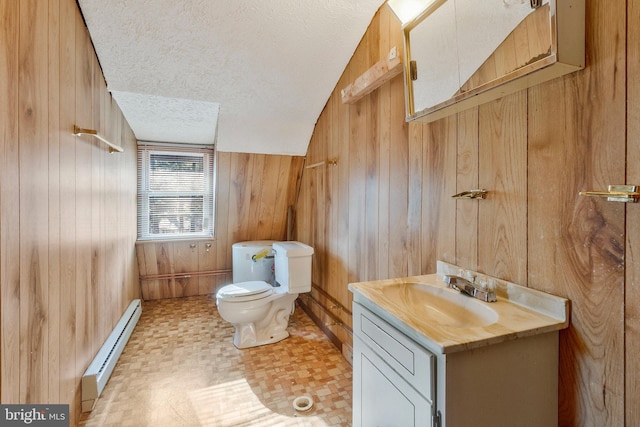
point(180, 368)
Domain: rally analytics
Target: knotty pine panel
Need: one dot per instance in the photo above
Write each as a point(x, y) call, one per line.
point(69, 370)
point(533, 151)
point(54, 201)
point(63, 283)
point(467, 169)
point(632, 255)
point(576, 244)
point(502, 217)
point(33, 158)
point(84, 328)
point(9, 199)
point(439, 184)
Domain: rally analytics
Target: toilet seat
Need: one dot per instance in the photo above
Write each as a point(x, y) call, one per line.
point(245, 291)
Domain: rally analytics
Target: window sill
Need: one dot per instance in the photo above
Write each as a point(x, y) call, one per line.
point(178, 240)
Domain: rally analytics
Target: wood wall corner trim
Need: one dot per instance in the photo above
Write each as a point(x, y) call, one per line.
point(380, 73)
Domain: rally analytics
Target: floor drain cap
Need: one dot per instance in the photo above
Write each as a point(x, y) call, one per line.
point(302, 403)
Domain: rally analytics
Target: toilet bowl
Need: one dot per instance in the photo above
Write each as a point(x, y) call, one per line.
point(259, 311)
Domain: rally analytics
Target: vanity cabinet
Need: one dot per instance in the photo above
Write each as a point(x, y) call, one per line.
point(403, 379)
point(461, 53)
point(393, 375)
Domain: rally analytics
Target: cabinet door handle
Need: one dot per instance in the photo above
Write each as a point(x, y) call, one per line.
point(616, 193)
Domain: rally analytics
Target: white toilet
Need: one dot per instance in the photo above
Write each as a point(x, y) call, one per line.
point(259, 310)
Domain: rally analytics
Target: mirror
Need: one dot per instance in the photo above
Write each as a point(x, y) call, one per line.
point(457, 52)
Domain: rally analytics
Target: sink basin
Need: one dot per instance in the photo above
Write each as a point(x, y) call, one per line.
point(436, 305)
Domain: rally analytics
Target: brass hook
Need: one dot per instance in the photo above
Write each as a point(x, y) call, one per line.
point(471, 194)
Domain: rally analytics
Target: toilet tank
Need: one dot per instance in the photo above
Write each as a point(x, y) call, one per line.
point(252, 261)
point(293, 266)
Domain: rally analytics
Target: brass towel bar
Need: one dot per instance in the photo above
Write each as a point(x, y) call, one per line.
point(78, 131)
point(616, 193)
point(333, 162)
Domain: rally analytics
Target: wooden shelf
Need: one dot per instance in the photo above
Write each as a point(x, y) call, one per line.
point(381, 72)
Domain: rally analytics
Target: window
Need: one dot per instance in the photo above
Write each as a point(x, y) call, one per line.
point(175, 192)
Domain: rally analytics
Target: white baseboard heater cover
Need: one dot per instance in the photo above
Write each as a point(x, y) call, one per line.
point(100, 369)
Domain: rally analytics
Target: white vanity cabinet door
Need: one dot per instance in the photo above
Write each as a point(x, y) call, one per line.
point(381, 397)
point(393, 377)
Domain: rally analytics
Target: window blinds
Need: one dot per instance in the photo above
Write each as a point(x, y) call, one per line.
point(175, 192)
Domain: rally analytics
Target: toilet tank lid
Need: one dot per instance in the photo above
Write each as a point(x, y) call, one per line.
point(253, 244)
point(292, 249)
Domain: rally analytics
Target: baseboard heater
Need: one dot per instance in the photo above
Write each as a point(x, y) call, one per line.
point(100, 369)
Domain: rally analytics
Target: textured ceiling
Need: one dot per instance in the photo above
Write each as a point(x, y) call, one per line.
point(264, 68)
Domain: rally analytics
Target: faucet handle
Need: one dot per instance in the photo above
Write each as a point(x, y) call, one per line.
point(469, 288)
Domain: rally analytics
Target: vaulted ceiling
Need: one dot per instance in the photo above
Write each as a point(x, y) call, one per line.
point(256, 73)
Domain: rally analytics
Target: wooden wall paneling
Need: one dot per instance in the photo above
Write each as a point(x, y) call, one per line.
point(9, 204)
point(115, 266)
point(439, 184)
point(257, 186)
point(467, 179)
point(68, 213)
point(333, 196)
point(84, 148)
point(101, 315)
point(277, 220)
point(53, 180)
point(164, 260)
point(415, 252)
point(33, 159)
point(318, 213)
point(52, 206)
point(127, 209)
point(240, 200)
point(185, 260)
point(384, 149)
point(398, 183)
point(146, 267)
point(502, 222)
point(294, 184)
point(206, 262)
point(372, 161)
point(575, 243)
point(304, 212)
point(632, 253)
point(319, 198)
point(357, 251)
point(341, 145)
point(399, 165)
point(223, 210)
point(357, 172)
point(567, 250)
point(372, 188)
point(117, 229)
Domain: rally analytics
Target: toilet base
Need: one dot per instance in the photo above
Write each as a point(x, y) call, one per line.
point(247, 338)
point(270, 330)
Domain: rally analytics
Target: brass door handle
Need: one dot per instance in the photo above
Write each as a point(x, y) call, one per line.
point(616, 193)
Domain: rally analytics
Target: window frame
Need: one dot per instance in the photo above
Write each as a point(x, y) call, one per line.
point(144, 153)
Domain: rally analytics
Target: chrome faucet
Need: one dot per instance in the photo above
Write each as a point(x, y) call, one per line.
point(467, 288)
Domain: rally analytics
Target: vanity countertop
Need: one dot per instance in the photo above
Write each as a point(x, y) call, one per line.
point(518, 312)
